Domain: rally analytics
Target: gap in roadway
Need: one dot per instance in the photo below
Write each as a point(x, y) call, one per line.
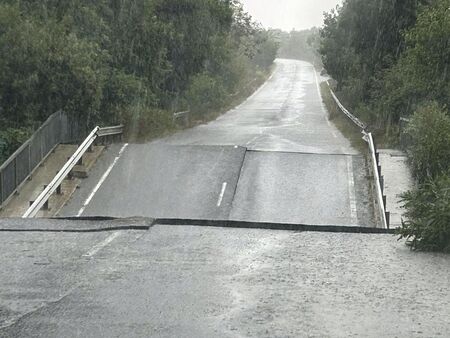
point(300, 168)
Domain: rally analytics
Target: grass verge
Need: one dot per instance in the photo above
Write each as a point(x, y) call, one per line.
point(351, 131)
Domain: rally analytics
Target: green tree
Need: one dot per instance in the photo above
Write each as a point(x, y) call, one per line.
point(110, 61)
point(429, 151)
point(361, 40)
point(422, 72)
point(427, 223)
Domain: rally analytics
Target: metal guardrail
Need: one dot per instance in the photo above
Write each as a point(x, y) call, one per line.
point(70, 164)
point(57, 180)
point(108, 131)
point(184, 115)
point(180, 114)
point(58, 128)
point(374, 158)
point(379, 182)
point(354, 119)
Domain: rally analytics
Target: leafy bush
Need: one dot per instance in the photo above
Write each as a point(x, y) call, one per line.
point(147, 123)
point(205, 93)
point(100, 60)
point(10, 140)
point(429, 152)
point(428, 215)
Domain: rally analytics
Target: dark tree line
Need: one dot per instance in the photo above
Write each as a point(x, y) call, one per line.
point(131, 61)
point(391, 59)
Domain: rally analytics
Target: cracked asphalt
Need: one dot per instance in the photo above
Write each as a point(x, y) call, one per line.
point(273, 158)
point(187, 281)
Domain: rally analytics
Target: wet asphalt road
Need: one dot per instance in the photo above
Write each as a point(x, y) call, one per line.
point(183, 281)
point(274, 158)
point(129, 278)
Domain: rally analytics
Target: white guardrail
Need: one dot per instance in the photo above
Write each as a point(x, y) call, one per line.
point(354, 119)
point(368, 137)
point(73, 160)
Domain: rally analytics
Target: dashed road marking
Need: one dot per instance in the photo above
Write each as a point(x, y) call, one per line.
point(102, 180)
point(222, 192)
point(252, 140)
point(96, 248)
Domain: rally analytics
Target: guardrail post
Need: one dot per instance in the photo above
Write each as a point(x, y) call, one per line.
point(45, 206)
point(388, 219)
point(29, 157)
point(16, 174)
point(382, 183)
point(384, 201)
point(41, 148)
point(1, 188)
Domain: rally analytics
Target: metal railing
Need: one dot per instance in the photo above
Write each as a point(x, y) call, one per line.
point(59, 128)
point(182, 116)
point(353, 118)
point(384, 215)
point(70, 164)
point(379, 182)
point(110, 131)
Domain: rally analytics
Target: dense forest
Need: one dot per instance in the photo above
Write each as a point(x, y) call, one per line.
point(111, 61)
point(390, 59)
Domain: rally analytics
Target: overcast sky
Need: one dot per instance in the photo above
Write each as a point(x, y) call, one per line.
point(289, 14)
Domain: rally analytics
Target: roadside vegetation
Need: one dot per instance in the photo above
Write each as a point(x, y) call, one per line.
point(351, 131)
point(131, 62)
point(390, 60)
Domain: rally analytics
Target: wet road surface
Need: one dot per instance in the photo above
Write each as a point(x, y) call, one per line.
point(274, 158)
point(184, 281)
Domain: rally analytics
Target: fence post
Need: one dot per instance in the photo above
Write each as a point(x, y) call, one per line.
point(1, 188)
point(41, 141)
point(16, 174)
point(29, 157)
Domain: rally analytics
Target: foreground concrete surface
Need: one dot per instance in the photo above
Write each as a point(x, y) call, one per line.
point(187, 281)
point(274, 158)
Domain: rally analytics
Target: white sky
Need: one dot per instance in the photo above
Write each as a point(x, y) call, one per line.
point(289, 14)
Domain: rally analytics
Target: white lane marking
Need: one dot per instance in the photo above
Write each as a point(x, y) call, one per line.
point(252, 140)
point(222, 192)
point(96, 248)
point(351, 190)
point(102, 180)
